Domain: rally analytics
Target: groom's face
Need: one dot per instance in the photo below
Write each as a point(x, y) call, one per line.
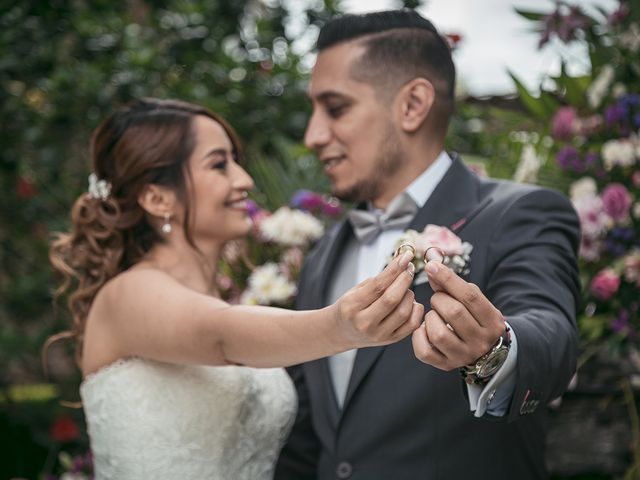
point(351, 129)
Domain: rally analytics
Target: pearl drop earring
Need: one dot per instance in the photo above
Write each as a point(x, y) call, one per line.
point(166, 226)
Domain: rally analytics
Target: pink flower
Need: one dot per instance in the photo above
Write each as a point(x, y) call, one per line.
point(616, 201)
point(635, 178)
point(564, 122)
point(605, 284)
point(442, 237)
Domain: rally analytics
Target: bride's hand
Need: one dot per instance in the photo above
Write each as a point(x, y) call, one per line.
point(381, 309)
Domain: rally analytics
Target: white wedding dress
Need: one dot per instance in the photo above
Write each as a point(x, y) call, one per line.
point(151, 420)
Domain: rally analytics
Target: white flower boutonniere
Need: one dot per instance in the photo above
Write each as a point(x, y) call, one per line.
point(457, 254)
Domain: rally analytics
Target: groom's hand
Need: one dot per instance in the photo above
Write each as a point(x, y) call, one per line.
point(462, 324)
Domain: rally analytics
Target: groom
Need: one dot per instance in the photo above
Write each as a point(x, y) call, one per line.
point(465, 397)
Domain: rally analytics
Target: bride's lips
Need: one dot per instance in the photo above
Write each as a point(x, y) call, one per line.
point(238, 204)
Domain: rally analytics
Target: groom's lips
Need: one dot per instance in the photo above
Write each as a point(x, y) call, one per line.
point(331, 163)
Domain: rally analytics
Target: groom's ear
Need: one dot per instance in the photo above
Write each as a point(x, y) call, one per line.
point(157, 200)
point(414, 102)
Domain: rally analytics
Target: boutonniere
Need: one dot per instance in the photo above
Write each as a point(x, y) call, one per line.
point(440, 243)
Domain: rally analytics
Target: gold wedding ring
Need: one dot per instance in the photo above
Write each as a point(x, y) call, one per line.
point(405, 247)
point(425, 258)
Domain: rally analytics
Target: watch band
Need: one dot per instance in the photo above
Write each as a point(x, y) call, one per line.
point(481, 371)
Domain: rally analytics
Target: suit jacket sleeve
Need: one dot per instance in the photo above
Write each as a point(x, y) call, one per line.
point(534, 282)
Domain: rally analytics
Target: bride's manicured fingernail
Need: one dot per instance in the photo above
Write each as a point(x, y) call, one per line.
point(411, 268)
point(406, 258)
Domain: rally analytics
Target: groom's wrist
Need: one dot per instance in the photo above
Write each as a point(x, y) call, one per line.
point(481, 371)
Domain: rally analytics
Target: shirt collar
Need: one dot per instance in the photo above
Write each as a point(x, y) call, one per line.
point(423, 186)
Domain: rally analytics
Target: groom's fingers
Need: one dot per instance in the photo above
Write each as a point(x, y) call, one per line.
point(444, 279)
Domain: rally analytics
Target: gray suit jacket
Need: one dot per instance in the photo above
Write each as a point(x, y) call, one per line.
point(403, 419)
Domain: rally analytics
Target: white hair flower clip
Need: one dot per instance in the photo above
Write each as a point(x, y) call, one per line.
point(98, 188)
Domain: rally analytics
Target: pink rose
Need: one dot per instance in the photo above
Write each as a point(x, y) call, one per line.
point(563, 126)
point(605, 284)
point(616, 201)
point(635, 178)
point(435, 236)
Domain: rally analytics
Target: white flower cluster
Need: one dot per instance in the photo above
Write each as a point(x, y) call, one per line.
point(267, 285)
point(622, 152)
point(594, 221)
point(291, 227)
point(631, 38)
point(598, 89)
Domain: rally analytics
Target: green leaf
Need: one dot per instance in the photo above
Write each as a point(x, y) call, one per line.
point(529, 15)
point(535, 105)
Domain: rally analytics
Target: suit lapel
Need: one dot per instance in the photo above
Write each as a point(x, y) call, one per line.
point(453, 198)
point(322, 267)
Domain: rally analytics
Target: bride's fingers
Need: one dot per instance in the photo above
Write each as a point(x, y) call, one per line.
point(390, 299)
point(397, 317)
point(411, 324)
point(393, 278)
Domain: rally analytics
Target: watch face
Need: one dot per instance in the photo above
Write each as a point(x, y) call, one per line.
point(493, 362)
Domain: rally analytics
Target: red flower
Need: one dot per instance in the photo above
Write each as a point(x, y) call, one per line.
point(64, 429)
point(453, 39)
point(25, 188)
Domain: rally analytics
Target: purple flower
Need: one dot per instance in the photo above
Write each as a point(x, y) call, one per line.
point(591, 159)
point(252, 208)
point(306, 200)
point(565, 26)
point(563, 126)
point(332, 207)
point(613, 115)
point(620, 323)
point(616, 201)
point(619, 15)
point(605, 284)
point(567, 158)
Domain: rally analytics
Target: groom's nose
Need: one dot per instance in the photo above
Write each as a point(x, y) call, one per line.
point(318, 132)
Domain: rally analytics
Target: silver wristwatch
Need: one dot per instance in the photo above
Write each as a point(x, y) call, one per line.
point(481, 371)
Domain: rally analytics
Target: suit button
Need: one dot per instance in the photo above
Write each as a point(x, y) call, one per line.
point(344, 470)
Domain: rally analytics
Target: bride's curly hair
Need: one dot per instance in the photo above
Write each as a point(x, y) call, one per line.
point(148, 141)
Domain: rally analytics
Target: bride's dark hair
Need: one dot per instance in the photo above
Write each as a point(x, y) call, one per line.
point(145, 142)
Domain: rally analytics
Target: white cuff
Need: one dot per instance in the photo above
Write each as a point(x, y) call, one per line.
point(500, 388)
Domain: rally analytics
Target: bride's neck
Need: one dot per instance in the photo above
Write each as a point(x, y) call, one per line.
point(191, 268)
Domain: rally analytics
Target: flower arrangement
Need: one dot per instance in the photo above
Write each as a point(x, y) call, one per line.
point(263, 269)
point(455, 253)
point(594, 137)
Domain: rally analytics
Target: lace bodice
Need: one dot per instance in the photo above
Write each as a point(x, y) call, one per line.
point(154, 420)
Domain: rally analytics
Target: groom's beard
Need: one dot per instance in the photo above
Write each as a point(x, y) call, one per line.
point(389, 160)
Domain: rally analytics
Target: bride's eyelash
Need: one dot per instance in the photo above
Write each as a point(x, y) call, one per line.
point(221, 165)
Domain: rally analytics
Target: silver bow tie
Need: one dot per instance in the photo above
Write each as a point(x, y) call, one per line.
point(367, 225)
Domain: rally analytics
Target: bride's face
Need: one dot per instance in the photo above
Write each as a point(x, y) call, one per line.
point(219, 185)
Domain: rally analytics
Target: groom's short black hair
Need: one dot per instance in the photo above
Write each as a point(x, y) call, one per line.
point(400, 45)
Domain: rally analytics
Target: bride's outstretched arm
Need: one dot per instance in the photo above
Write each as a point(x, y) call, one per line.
point(149, 314)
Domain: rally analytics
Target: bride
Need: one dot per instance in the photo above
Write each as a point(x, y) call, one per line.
point(178, 383)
